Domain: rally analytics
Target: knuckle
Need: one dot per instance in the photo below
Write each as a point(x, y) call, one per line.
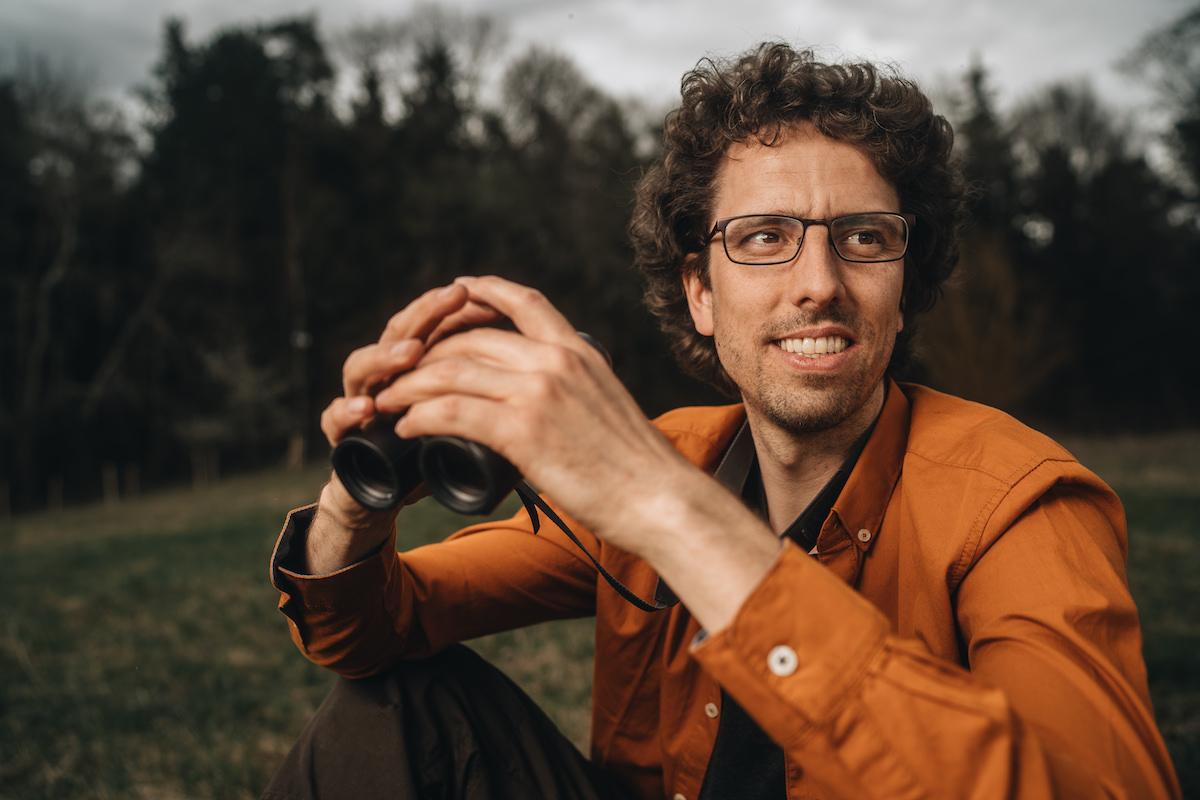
point(451, 409)
point(398, 323)
point(563, 360)
point(542, 385)
point(449, 372)
point(532, 296)
point(329, 420)
point(356, 358)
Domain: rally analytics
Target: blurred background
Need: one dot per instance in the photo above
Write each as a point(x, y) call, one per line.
point(204, 206)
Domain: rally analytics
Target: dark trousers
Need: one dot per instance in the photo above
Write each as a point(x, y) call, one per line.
point(451, 726)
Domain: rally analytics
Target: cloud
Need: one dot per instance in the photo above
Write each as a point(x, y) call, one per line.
point(642, 47)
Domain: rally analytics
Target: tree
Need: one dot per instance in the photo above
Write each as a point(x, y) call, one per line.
point(61, 248)
point(993, 336)
point(1169, 58)
point(1109, 258)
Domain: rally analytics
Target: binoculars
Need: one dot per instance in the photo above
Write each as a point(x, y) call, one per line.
point(380, 469)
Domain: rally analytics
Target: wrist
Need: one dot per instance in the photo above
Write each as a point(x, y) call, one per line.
point(675, 511)
point(342, 531)
point(709, 548)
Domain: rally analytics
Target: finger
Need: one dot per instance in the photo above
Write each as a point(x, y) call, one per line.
point(418, 319)
point(503, 349)
point(369, 367)
point(477, 419)
point(472, 314)
point(463, 376)
point(530, 311)
point(343, 415)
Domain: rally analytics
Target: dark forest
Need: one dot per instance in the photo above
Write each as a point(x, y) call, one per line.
point(179, 293)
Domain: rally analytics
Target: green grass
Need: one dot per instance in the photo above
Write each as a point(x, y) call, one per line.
point(141, 654)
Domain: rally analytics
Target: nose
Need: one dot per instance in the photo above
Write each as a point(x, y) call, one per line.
point(815, 274)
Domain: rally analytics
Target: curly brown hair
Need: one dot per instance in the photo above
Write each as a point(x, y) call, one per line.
point(755, 97)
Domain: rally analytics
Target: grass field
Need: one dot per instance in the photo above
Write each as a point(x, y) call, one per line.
point(141, 654)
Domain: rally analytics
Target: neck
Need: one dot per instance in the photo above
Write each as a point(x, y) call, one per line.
point(795, 467)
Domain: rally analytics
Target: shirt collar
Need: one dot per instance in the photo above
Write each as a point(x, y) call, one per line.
point(739, 473)
point(861, 503)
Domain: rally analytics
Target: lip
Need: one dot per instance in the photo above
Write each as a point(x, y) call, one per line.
point(816, 333)
point(822, 362)
point(828, 362)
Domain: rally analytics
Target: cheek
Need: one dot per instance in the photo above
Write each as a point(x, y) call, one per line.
point(898, 302)
point(887, 297)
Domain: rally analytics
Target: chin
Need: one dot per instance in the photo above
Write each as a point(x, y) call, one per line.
point(810, 417)
point(822, 405)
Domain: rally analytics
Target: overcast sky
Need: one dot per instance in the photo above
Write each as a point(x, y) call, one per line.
point(642, 47)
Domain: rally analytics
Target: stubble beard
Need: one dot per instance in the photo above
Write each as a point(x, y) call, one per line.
point(802, 403)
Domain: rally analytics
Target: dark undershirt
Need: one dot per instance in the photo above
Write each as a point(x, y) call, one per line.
point(746, 763)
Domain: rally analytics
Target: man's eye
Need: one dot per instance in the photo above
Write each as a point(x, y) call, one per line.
point(762, 237)
point(864, 237)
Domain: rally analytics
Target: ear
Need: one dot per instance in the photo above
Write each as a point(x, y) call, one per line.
point(699, 296)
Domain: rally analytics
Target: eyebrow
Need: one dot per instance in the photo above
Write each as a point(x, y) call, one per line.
point(778, 213)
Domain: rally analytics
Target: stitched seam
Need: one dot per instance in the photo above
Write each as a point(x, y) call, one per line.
point(1021, 468)
point(971, 546)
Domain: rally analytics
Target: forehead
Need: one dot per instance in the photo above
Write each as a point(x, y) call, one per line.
point(805, 173)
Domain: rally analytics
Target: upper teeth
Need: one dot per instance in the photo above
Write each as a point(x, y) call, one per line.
point(815, 347)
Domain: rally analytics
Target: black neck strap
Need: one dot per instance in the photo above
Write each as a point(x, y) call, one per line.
point(533, 503)
point(731, 473)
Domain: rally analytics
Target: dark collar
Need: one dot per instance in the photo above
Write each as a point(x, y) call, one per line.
point(873, 467)
point(739, 472)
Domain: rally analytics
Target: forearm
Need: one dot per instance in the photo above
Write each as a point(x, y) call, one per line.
point(383, 607)
point(822, 671)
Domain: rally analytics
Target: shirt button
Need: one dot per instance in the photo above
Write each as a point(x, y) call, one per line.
point(864, 535)
point(782, 660)
point(711, 710)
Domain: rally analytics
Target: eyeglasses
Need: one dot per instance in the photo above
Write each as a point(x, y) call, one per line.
point(761, 239)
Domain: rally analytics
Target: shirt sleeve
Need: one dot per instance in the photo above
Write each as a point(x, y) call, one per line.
point(1054, 704)
point(392, 606)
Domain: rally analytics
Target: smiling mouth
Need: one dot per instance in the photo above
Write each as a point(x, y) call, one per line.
point(814, 348)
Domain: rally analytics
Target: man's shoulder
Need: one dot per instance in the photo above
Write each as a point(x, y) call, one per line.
point(960, 434)
point(973, 470)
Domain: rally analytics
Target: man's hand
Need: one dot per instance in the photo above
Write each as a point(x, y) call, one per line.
point(344, 531)
point(547, 401)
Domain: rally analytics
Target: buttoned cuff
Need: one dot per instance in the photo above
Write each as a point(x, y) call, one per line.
point(798, 646)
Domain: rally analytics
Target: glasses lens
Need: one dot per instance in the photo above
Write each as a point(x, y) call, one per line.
point(870, 237)
point(763, 239)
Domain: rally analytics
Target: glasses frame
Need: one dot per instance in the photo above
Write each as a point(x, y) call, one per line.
point(910, 222)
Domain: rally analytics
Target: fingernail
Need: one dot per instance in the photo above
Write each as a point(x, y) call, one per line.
point(404, 348)
point(359, 404)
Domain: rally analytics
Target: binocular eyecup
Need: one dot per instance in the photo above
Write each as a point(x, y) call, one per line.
point(379, 469)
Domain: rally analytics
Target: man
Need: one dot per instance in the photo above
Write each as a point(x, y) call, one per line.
point(883, 592)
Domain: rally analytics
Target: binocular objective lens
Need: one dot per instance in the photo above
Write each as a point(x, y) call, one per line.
point(458, 471)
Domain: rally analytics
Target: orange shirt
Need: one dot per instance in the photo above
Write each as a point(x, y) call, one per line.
point(966, 629)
